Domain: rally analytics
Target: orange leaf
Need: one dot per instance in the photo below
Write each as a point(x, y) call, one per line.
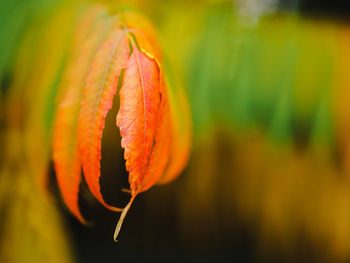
point(143, 123)
point(137, 116)
point(122, 50)
point(181, 134)
point(65, 151)
point(97, 100)
point(161, 151)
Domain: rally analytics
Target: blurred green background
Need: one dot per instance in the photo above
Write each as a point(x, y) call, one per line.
point(268, 179)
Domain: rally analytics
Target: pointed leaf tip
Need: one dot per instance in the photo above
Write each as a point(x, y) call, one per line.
point(121, 219)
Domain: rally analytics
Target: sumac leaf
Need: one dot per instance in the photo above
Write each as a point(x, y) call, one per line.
point(121, 51)
point(65, 147)
point(101, 86)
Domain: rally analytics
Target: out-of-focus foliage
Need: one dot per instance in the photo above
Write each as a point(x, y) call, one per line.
point(16, 16)
point(270, 115)
point(30, 226)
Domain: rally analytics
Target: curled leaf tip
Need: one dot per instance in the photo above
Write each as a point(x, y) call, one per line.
point(121, 219)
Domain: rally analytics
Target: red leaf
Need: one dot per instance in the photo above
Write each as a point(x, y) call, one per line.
point(97, 100)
